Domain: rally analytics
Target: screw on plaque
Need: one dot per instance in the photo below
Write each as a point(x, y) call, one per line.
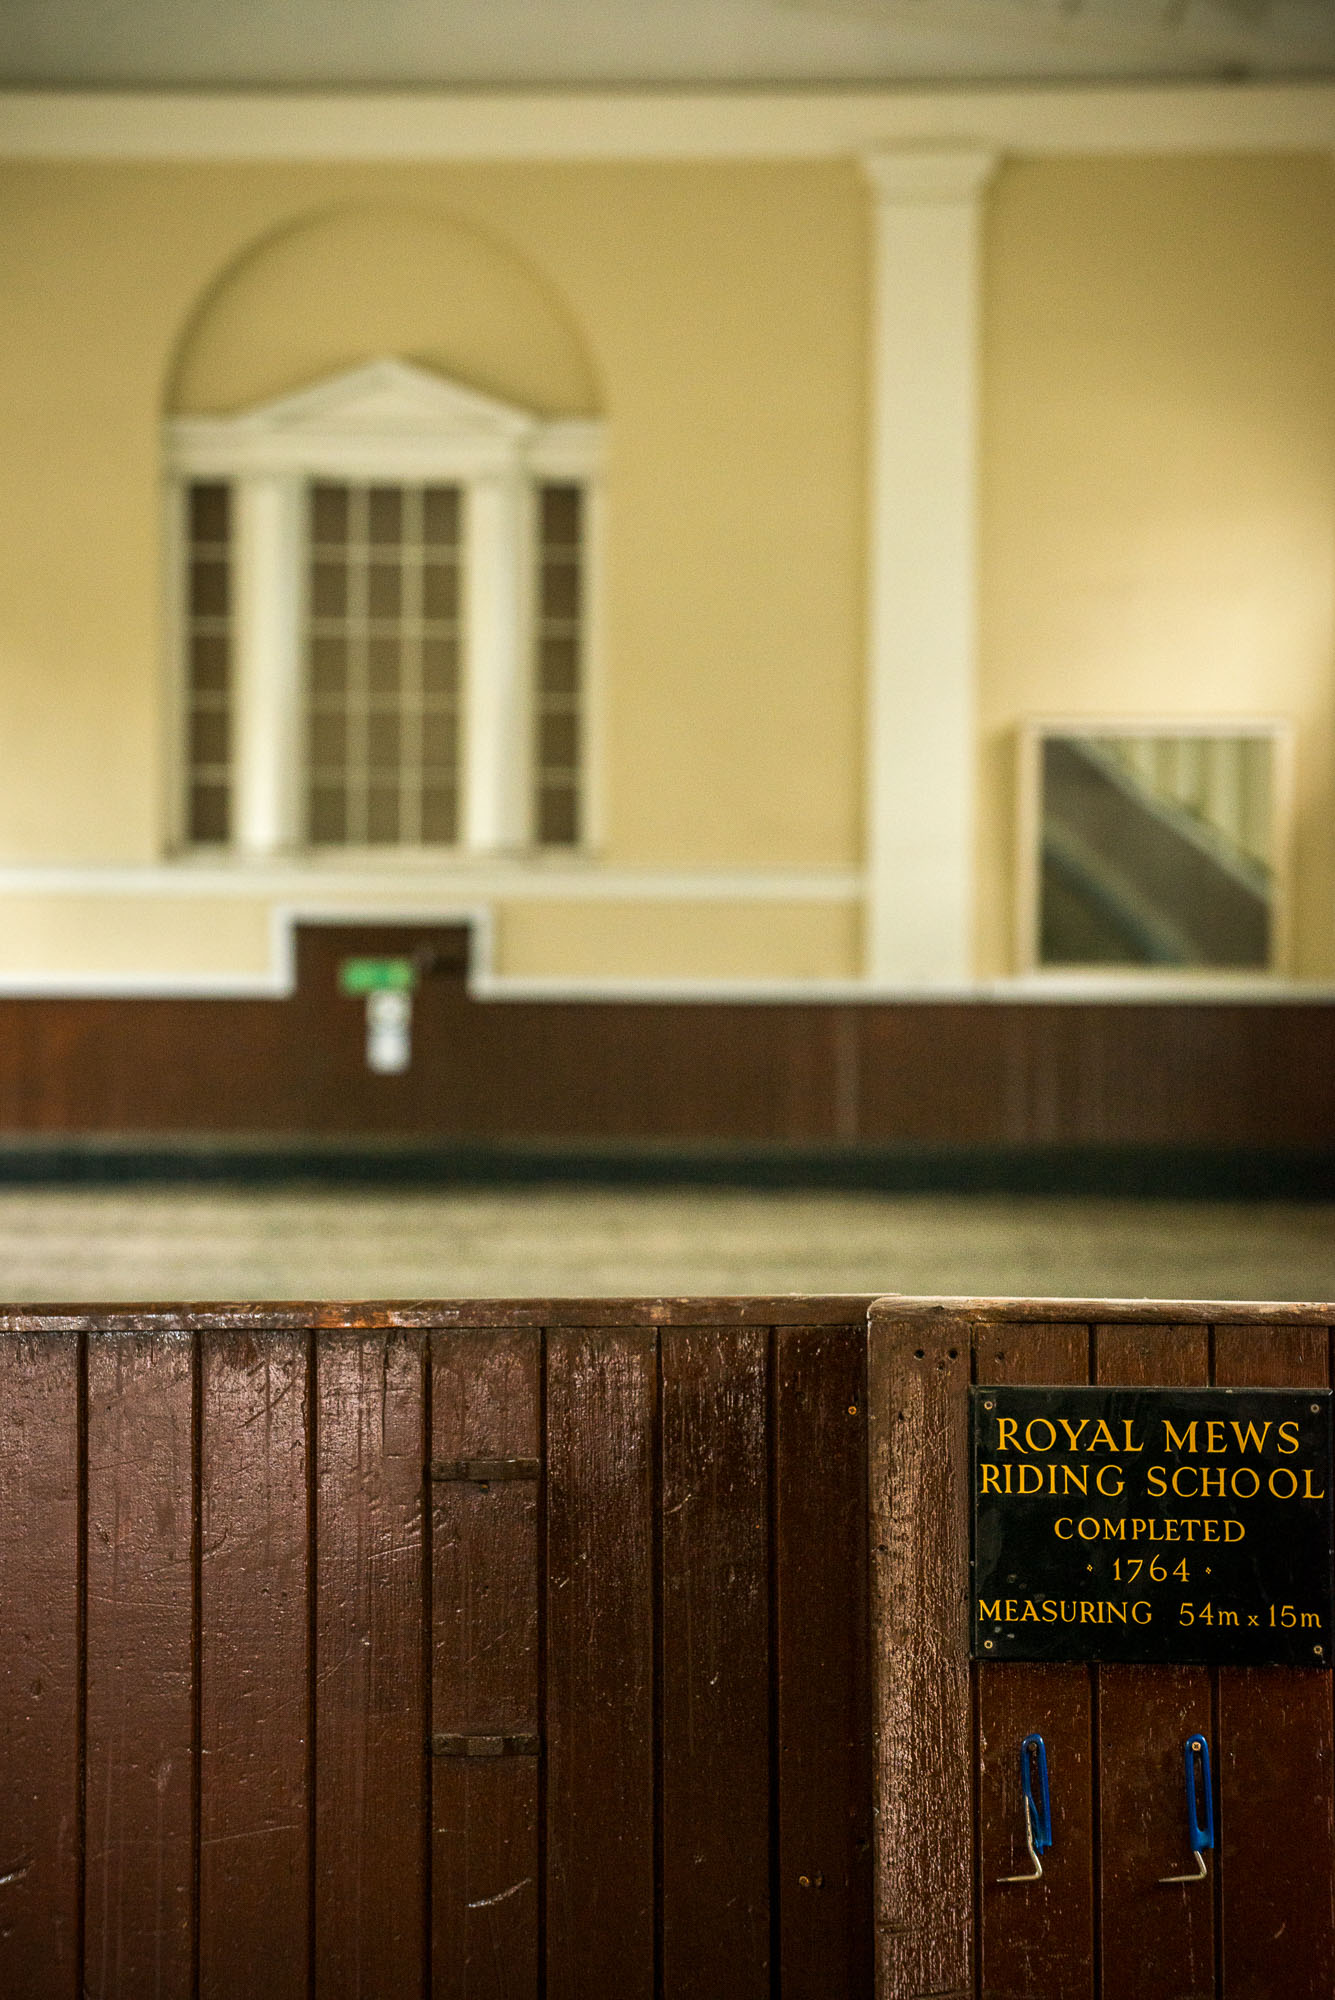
point(1200, 1806)
point(1037, 1806)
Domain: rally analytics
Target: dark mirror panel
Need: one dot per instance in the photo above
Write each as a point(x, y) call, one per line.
point(1157, 850)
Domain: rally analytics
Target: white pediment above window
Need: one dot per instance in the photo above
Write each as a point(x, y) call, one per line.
point(384, 419)
point(388, 395)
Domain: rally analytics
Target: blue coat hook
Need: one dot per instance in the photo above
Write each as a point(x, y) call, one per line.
point(1037, 1806)
point(1200, 1806)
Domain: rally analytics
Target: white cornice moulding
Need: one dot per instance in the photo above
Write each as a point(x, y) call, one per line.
point(662, 124)
point(202, 448)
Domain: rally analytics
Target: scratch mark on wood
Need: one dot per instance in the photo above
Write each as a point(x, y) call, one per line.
point(486, 1902)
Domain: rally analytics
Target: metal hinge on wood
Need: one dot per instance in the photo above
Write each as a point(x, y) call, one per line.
point(484, 1746)
point(482, 1471)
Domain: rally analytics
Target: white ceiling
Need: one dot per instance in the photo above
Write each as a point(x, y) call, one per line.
point(383, 43)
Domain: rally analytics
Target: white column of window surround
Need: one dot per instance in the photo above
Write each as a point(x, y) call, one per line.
point(268, 576)
point(497, 723)
point(920, 697)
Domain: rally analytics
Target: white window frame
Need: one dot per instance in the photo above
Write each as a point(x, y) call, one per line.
point(389, 422)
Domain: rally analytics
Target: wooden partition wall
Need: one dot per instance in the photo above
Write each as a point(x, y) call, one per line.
point(1100, 1925)
point(478, 1652)
point(506, 1650)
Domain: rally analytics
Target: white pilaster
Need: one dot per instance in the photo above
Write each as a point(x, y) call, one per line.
point(268, 580)
point(497, 619)
point(920, 698)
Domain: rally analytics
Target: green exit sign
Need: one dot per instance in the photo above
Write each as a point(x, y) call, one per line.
point(376, 975)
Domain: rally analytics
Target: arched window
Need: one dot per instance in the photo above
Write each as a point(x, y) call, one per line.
point(384, 623)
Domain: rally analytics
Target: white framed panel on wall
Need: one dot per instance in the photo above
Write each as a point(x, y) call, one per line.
point(1157, 848)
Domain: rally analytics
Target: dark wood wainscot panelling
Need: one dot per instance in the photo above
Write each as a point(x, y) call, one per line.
point(475, 1651)
point(1101, 1924)
point(918, 1074)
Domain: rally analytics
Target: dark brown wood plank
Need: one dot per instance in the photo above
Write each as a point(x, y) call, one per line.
point(39, 1667)
point(715, 1651)
point(370, 1717)
point(918, 1375)
point(140, 1881)
point(485, 1831)
point(1157, 1942)
point(1161, 1313)
point(822, 1757)
point(601, 1422)
point(485, 1403)
point(1036, 1940)
point(254, 1695)
point(790, 1309)
point(1275, 1760)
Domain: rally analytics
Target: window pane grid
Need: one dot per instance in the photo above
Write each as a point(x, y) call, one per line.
point(208, 621)
point(383, 646)
point(559, 664)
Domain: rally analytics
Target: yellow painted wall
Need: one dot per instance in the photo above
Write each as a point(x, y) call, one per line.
point(358, 279)
point(661, 940)
point(716, 316)
point(122, 935)
point(1157, 509)
point(1158, 512)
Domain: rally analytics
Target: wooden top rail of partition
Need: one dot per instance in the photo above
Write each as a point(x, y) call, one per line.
point(1107, 1312)
point(784, 1309)
point(226, 1316)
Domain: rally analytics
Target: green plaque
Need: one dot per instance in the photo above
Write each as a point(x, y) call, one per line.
point(376, 975)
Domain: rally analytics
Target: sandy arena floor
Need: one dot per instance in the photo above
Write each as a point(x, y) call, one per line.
point(194, 1243)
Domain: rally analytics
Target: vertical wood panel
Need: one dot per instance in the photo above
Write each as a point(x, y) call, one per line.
point(370, 1720)
point(485, 1832)
point(139, 1896)
point(1275, 1759)
point(601, 1421)
point(39, 1665)
point(253, 1915)
point(918, 1374)
point(715, 1651)
point(1157, 1942)
point(1036, 1939)
point(822, 1757)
